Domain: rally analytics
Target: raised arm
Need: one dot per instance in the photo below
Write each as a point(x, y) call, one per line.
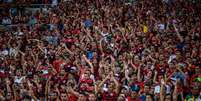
point(83, 38)
point(178, 68)
point(175, 93)
point(178, 34)
point(138, 73)
point(88, 61)
point(14, 92)
point(113, 63)
point(8, 44)
point(19, 43)
point(162, 91)
point(116, 84)
point(33, 57)
point(167, 78)
point(41, 49)
point(31, 91)
point(24, 65)
point(126, 71)
point(102, 82)
point(71, 90)
point(100, 46)
point(38, 65)
point(47, 87)
point(133, 65)
point(66, 48)
point(58, 92)
point(88, 34)
point(22, 57)
point(154, 60)
point(7, 85)
point(155, 76)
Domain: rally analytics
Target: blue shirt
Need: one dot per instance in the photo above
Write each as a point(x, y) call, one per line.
point(143, 97)
point(89, 54)
point(88, 23)
point(32, 21)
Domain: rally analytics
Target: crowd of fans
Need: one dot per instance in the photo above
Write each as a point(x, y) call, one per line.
point(103, 50)
point(29, 1)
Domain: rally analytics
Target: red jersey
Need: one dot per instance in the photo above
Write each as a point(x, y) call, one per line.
point(57, 65)
point(109, 96)
point(130, 99)
point(72, 98)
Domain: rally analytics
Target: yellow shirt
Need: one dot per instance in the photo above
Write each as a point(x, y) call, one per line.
point(145, 29)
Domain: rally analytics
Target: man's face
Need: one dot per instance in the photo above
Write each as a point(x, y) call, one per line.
point(121, 98)
point(134, 78)
point(52, 95)
point(197, 70)
point(149, 74)
point(82, 98)
point(161, 57)
point(111, 87)
point(87, 74)
point(124, 91)
point(64, 97)
point(148, 98)
point(146, 89)
point(195, 88)
point(104, 30)
point(133, 94)
point(92, 97)
point(18, 73)
point(9, 96)
point(171, 65)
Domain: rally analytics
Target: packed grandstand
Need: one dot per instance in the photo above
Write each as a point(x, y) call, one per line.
point(100, 50)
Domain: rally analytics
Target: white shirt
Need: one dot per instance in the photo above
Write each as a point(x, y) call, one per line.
point(168, 89)
point(4, 52)
point(18, 79)
point(45, 71)
point(13, 52)
point(6, 21)
point(18, 33)
point(171, 58)
point(157, 89)
point(104, 34)
point(161, 26)
point(54, 2)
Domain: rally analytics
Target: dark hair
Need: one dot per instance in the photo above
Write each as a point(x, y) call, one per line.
point(168, 95)
point(151, 95)
point(27, 97)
